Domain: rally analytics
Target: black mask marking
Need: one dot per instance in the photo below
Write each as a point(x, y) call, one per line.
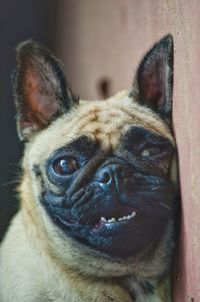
point(117, 202)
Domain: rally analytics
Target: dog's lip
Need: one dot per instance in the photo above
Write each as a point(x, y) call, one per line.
point(106, 229)
point(134, 217)
point(112, 215)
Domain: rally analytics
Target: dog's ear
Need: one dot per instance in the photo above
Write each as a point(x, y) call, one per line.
point(155, 78)
point(40, 90)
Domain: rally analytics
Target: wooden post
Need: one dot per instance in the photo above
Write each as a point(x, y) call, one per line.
point(101, 43)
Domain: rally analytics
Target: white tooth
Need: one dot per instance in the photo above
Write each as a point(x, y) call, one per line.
point(112, 219)
point(133, 214)
point(103, 219)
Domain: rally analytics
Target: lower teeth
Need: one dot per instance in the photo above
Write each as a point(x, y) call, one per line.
point(132, 215)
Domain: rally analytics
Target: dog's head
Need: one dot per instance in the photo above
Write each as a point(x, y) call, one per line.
point(98, 176)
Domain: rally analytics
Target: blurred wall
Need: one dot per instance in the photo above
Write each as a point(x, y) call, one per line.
point(101, 43)
point(19, 20)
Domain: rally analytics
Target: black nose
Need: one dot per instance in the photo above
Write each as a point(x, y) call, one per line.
point(110, 175)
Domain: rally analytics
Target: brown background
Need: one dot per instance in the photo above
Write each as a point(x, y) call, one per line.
point(101, 43)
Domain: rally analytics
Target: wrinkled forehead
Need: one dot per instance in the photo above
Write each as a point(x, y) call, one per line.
point(102, 121)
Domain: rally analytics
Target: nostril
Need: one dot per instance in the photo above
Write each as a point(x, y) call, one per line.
point(105, 177)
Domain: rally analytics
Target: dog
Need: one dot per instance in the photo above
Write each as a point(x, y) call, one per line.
point(98, 189)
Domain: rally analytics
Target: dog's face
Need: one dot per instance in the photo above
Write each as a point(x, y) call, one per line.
point(98, 176)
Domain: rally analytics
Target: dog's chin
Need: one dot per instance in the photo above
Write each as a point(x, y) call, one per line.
point(125, 233)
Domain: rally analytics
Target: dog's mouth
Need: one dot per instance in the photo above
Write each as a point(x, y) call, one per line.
point(116, 214)
point(124, 233)
point(119, 216)
point(118, 224)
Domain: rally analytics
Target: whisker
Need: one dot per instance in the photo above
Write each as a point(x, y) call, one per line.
point(164, 205)
point(81, 216)
point(9, 183)
point(155, 188)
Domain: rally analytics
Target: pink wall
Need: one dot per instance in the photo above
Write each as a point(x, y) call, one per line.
point(105, 40)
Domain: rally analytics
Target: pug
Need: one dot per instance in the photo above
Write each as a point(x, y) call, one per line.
point(98, 188)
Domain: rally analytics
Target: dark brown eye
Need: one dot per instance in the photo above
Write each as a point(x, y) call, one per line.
point(65, 166)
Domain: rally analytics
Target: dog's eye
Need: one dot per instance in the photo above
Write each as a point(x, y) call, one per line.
point(65, 166)
point(151, 151)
